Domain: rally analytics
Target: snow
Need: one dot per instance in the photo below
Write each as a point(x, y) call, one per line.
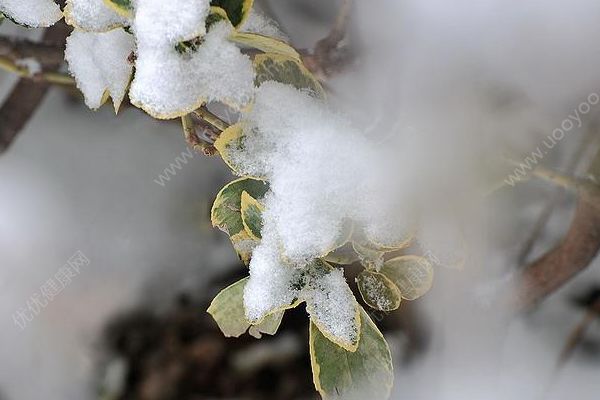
point(314, 161)
point(168, 84)
point(331, 304)
point(258, 22)
point(33, 13)
point(92, 15)
point(269, 287)
point(99, 63)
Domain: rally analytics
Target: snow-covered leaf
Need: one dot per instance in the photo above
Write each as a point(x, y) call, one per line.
point(412, 274)
point(288, 70)
point(98, 62)
point(169, 84)
point(31, 13)
point(271, 285)
point(226, 210)
point(366, 373)
point(252, 215)
point(265, 44)
point(378, 291)
point(237, 10)
point(331, 305)
point(92, 15)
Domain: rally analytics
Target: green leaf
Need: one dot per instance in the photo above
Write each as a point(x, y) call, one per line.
point(269, 326)
point(227, 309)
point(365, 374)
point(288, 70)
point(344, 255)
point(378, 291)
point(412, 274)
point(252, 215)
point(237, 10)
point(230, 139)
point(2, 18)
point(266, 44)
point(121, 7)
point(226, 210)
point(217, 14)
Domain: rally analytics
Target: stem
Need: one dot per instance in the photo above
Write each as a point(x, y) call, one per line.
point(211, 118)
point(49, 77)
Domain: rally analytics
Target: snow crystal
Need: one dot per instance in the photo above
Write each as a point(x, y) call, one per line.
point(331, 303)
point(168, 84)
point(98, 61)
point(258, 22)
point(269, 286)
point(33, 13)
point(92, 15)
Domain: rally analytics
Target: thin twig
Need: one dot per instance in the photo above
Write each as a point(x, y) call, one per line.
point(49, 77)
point(211, 118)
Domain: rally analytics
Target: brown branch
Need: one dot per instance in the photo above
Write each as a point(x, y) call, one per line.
point(45, 52)
point(27, 95)
point(576, 251)
point(329, 55)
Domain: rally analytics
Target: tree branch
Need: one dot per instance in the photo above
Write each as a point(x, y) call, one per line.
point(27, 95)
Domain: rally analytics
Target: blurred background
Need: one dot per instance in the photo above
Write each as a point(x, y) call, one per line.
point(454, 82)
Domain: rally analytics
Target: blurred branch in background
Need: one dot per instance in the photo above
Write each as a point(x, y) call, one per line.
point(578, 248)
point(27, 95)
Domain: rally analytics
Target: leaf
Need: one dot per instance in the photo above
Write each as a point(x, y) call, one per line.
point(270, 325)
point(217, 14)
point(344, 255)
point(331, 304)
point(378, 291)
point(230, 139)
point(266, 44)
point(252, 215)
point(227, 309)
point(288, 70)
point(365, 374)
point(387, 244)
point(237, 10)
point(371, 259)
point(244, 245)
point(121, 7)
point(226, 210)
point(412, 274)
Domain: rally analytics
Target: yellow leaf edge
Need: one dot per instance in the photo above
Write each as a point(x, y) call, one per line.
point(248, 201)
